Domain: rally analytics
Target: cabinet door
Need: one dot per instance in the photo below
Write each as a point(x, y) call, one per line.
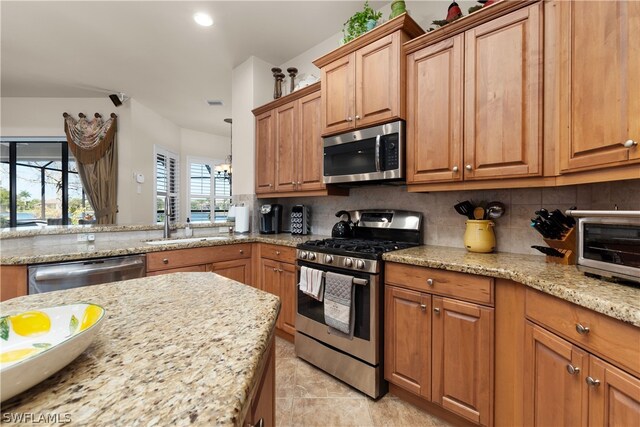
point(338, 95)
point(289, 296)
point(262, 412)
point(270, 281)
point(378, 81)
point(554, 387)
point(286, 146)
point(13, 280)
point(463, 359)
point(503, 84)
point(434, 112)
point(615, 401)
point(189, 269)
point(238, 270)
point(310, 148)
point(265, 152)
point(600, 83)
point(407, 348)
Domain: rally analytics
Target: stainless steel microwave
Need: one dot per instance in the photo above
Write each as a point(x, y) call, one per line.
point(371, 154)
point(609, 243)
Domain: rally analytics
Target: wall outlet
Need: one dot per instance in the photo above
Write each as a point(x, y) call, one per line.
point(91, 238)
point(82, 237)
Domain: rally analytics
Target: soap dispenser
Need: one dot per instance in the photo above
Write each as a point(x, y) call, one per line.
point(188, 231)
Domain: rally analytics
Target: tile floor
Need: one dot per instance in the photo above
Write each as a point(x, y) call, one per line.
point(307, 396)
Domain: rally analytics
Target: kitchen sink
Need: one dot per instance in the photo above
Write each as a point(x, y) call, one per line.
point(185, 240)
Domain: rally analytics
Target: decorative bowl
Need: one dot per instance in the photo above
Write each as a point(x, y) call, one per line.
point(38, 343)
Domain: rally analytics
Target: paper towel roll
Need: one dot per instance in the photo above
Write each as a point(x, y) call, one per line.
point(242, 219)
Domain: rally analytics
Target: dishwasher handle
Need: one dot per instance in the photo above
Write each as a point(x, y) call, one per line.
point(61, 272)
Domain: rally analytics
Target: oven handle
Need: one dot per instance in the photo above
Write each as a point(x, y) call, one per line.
point(356, 280)
point(377, 154)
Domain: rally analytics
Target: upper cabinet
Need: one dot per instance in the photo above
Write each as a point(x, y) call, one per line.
point(480, 120)
point(599, 84)
point(363, 81)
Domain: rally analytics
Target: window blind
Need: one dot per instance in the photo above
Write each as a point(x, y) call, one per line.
point(167, 183)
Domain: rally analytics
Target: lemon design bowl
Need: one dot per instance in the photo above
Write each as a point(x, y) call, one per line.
point(38, 343)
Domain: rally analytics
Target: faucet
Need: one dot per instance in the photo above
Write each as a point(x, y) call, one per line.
point(167, 214)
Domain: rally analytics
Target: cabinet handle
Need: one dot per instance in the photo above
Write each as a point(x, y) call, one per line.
point(629, 143)
point(582, 330)
point(468, 167)
point(241, 251)
point(592, 381)
point(260, 423)
point(349, 119)
point(436, 310)
point(357, 117)
point(423, 307)
point(280, 270)
point(430, 282)
point(270, 185)
point(299, 183)
point(455, 169)
point(277, 252)
point(275, 269)
point(165, 261)
point(572, 369)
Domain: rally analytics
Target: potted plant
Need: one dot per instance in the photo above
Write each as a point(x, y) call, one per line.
point(360, 23)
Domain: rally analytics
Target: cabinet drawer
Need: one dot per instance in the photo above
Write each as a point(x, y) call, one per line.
point(195, 256)
point(440, 282)
point(606, 337)
point(278, 253)
point(202, 268)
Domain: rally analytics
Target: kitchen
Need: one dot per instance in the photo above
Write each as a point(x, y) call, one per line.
point(270, 262)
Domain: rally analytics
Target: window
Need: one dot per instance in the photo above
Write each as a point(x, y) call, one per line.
point(167, 183)
point(40, 185)
point(208, 187)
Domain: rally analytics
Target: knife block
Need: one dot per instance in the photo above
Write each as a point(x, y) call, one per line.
point(566, 245)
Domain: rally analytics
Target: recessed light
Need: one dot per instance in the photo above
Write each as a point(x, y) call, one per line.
point(203, 19)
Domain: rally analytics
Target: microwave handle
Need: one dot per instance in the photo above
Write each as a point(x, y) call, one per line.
point(377, 153)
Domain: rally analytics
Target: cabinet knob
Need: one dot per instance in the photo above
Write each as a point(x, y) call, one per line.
point(298, 182)
point(270, 185)
point(275, 269)
point(280, 270)
point(423, 307)
point(592, 381)
point(293, 183)
point(277, 252)
point(629, 143)
point(455, 169)
point(241, 251)
point(430, 282)
point(357, 117)
point(572, 369)
point(349, 119)
point(582, 330)
point(436, 310)
point(165, 261)
point(468, 167)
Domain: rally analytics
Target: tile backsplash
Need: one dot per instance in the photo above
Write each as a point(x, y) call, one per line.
point(444, 227)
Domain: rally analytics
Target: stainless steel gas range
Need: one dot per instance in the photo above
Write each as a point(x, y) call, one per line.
point(358, 361)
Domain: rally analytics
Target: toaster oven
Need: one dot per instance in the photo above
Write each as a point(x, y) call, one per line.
point(609, 243)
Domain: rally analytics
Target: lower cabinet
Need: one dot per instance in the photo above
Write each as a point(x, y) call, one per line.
point(237, 269)
point(440, 348)
point(13, 281)
point(279, 278)
point(262, 412)
point(566, 385)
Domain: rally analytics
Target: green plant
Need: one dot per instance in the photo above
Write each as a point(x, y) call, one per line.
point(357, 24)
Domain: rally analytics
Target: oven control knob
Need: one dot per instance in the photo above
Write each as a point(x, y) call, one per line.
point(348, 262)
point(360, 264)
point(312, 256)
point(303, 255)
point(328, 259)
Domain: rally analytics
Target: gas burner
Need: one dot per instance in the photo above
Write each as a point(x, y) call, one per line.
point(372, 249)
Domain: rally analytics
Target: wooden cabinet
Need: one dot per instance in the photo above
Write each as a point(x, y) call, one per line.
point(599, 84)
point(497, 134)
point(289, 151)
point(616, 400)
point(13, 281)
point(232, 261)
point(278, 276)
point(363, 81)
point(262, 411)
point(439, 348)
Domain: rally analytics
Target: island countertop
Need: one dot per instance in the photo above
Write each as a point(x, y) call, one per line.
point(176, 349)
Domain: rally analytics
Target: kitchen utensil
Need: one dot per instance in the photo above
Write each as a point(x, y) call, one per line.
point(495, 210)
point(478, 213)
point(465, 208)
point(342, 228)
point(549, 251)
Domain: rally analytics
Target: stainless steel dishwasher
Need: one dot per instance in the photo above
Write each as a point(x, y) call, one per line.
point(67, 275)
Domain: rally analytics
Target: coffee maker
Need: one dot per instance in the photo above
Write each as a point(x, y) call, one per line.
point(270, 219)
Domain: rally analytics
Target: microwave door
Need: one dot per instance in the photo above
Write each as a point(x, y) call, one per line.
point(352, 158)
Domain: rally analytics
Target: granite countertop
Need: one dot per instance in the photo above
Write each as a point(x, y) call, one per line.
point(176, 349)
point(563, 281)
point(38, 254)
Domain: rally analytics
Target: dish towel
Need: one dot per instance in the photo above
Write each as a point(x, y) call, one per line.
point(311, 282)
point(338, 304)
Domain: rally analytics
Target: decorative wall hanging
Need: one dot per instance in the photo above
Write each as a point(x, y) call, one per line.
point(93, 144)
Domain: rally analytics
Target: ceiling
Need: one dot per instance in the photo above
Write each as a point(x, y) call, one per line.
point(153, 51)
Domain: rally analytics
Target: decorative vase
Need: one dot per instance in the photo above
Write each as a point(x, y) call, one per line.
point(371, 24)
point(397, 8)
point(479, 236)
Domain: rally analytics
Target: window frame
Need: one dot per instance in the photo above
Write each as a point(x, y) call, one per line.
point(212, 196)
point(169, 155)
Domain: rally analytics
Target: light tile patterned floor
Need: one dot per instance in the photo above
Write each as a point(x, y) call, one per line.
point(307, 396)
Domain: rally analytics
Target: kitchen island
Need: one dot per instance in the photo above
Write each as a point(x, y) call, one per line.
point(184, 348)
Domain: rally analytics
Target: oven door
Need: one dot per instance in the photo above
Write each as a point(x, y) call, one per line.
point(364, 345)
